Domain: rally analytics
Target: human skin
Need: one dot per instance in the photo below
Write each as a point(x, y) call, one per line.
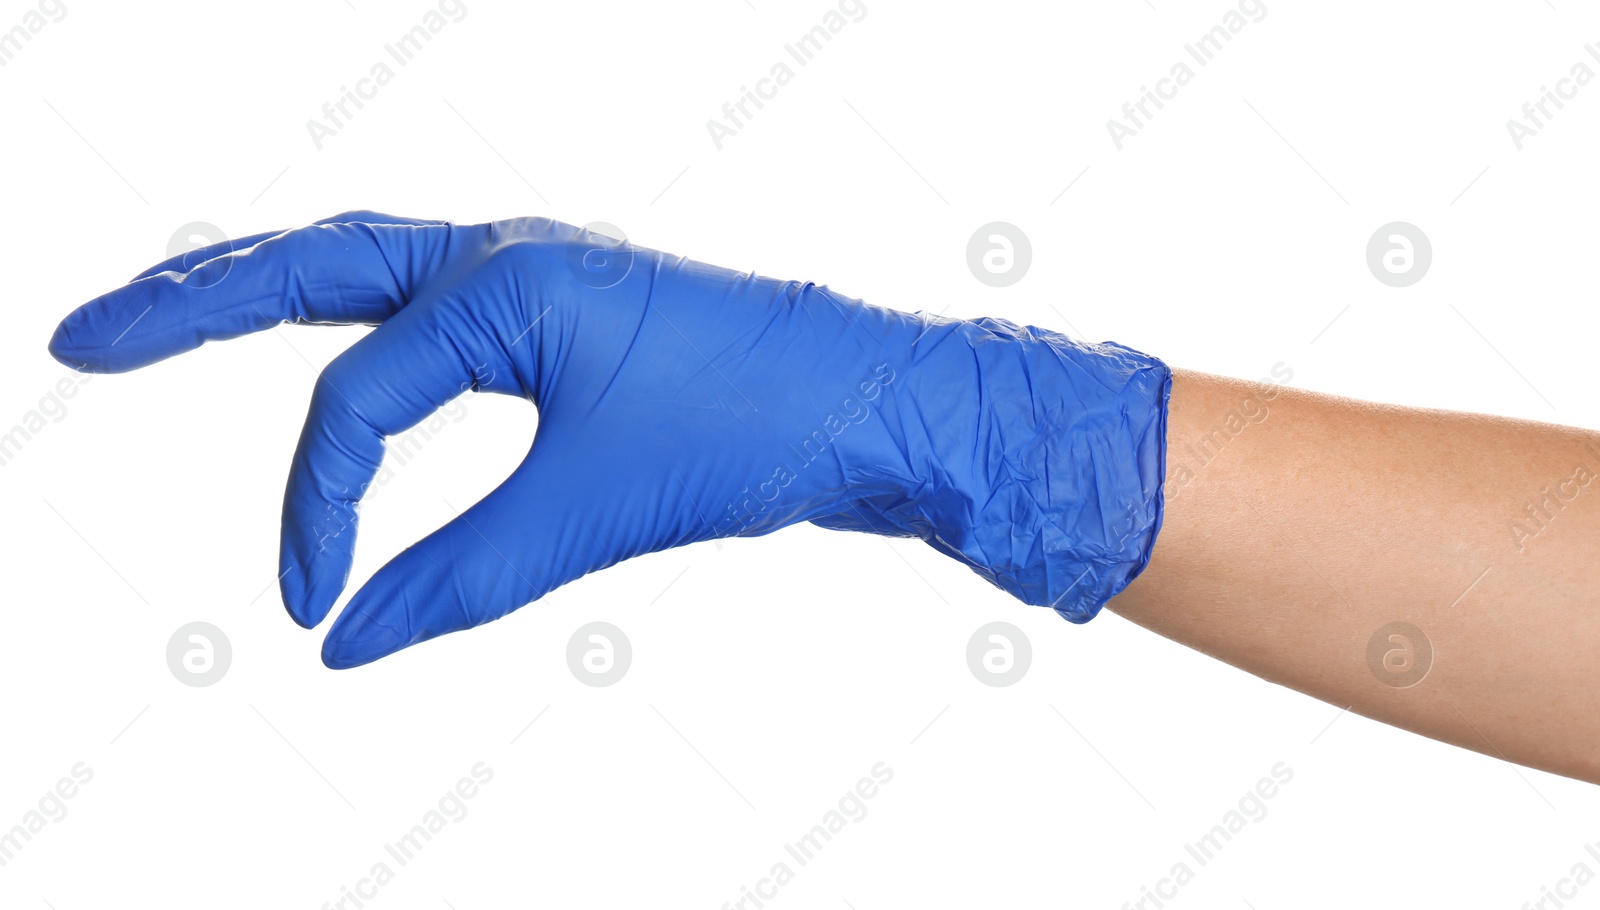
point(1316, 525)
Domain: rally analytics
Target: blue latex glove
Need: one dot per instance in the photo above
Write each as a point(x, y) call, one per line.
point(678, 402)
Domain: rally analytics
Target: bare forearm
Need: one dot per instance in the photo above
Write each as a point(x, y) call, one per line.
point(1301, 526)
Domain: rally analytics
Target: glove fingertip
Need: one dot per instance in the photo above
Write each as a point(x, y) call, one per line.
point(345, 656)
point(360, 637)
point(71, 346)
point(306, 597)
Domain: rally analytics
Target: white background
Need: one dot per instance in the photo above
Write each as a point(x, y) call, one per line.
point(768, 674)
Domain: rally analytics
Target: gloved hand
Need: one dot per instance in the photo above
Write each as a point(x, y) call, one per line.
point(678, 402)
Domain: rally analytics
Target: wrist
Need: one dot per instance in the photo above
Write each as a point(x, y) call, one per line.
point(1035, 459)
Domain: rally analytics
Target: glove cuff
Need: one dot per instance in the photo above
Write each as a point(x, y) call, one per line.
point(1054, 491)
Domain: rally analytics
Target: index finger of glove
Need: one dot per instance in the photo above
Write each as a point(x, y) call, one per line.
point(342, 274)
